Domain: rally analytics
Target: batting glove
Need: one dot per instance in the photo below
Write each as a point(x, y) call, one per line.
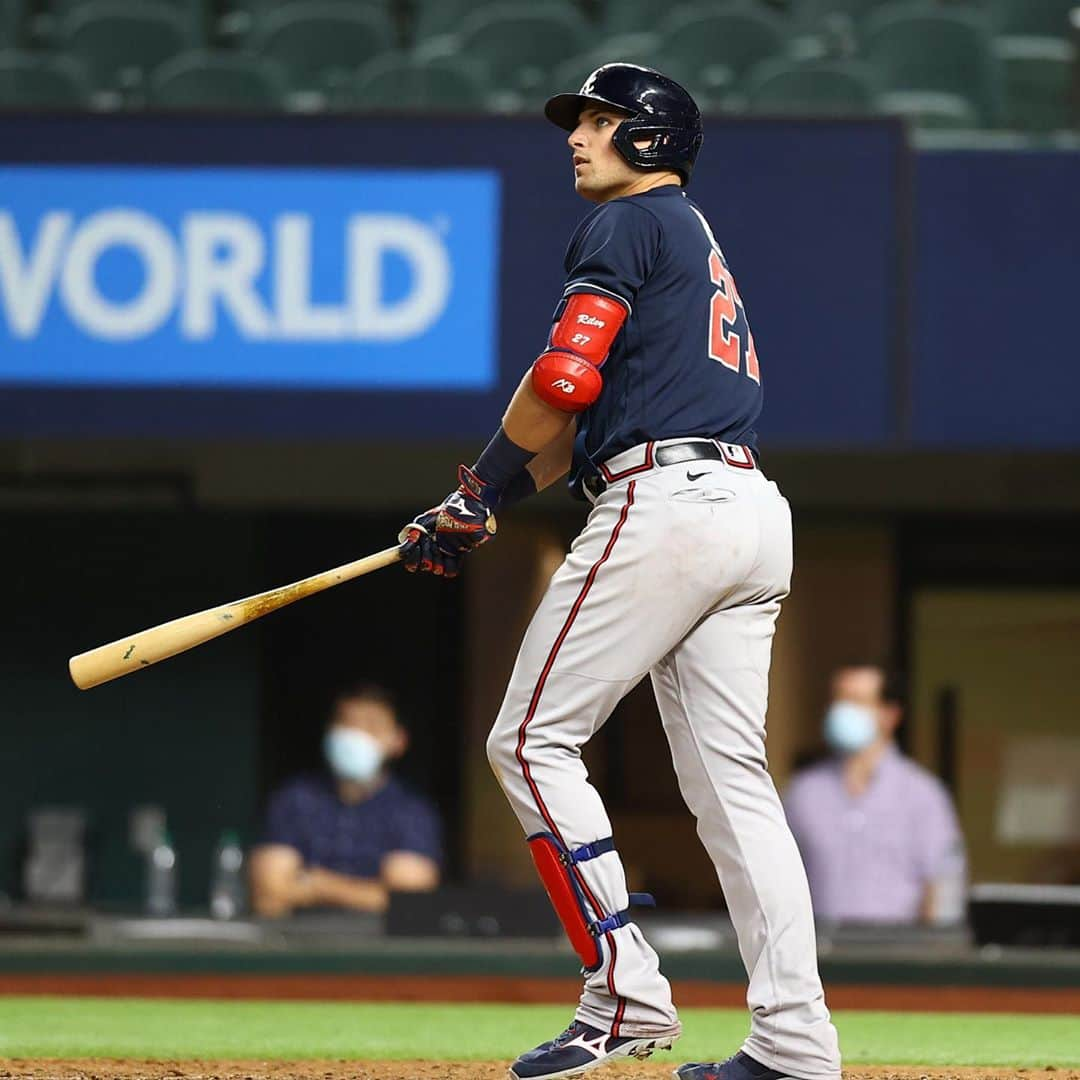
point(435, 541)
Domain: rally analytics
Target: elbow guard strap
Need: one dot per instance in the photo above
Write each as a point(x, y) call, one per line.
point(565, 381)
point(556, 866)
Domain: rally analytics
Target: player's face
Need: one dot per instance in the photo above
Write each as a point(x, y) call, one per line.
point(600, 171)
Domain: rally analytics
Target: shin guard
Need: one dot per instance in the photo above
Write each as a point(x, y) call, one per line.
point(583, 922)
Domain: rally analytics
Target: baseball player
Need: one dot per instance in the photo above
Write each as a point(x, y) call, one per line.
point(647, 392)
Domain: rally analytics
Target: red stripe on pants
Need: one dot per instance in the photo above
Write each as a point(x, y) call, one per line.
point(531, 712)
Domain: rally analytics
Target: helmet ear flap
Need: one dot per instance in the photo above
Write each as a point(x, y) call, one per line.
point(669, 147)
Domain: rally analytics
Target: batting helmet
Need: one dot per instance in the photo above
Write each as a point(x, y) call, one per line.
point(660, 111)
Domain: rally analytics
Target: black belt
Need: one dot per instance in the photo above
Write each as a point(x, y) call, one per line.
point(668, 454)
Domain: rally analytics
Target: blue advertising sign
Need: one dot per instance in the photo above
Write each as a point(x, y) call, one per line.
point(352, 278)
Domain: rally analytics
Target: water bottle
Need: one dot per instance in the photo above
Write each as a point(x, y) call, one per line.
point(161, 878)
point(227, 878)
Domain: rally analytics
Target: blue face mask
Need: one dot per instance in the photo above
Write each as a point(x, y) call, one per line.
point(849, 728)
point(352, 755)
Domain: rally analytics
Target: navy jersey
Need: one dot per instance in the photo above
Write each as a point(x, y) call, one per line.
point(684, 362)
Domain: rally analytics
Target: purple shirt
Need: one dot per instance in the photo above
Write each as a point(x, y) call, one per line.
point(869, 858)
point(351, 838)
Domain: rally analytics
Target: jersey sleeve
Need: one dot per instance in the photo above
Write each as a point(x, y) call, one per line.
point(614, 253)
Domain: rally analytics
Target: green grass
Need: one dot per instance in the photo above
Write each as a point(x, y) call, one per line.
point(140, 1028)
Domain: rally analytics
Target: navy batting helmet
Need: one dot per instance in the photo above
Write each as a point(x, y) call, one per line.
point(660, 111)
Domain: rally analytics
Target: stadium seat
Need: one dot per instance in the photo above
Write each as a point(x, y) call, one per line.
point(318, 45)
point(930, 109)
point(713, 47)
point(636, 16)
point(809, 12)
point(1038, 75)
point(826, 88)
point(400, 81)
point(314, 41)
point(633, 48)
point(1039, 18)
point(240, 17)
point(519, 45)
point(34, 80)
point(119, 43)
point(195, 12)
point(935, 50)
point(205, 80)
point(9, 22)
point(432, 18)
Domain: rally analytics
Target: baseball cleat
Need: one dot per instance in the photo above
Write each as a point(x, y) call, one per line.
point(580, 1048)
point(740, 1067)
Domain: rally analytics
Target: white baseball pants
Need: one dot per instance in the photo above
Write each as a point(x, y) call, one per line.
point(678, 573)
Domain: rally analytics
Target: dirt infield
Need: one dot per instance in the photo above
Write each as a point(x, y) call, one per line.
point(425, 1070)
point(533, 991)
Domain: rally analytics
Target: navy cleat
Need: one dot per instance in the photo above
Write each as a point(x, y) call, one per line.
point(580, 1048)
point(739, 1067)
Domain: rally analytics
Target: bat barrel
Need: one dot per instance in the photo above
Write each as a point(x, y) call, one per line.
point(147, 647)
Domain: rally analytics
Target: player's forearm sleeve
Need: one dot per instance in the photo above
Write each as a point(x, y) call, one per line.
point(522, 486)
point(501, 461)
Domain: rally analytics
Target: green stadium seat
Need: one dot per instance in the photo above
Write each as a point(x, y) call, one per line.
point(433, 18)
point(36, 80)
point(636, 16)
point(519, 45)
point(195, 12)
point(400, 81)
point(1038, 74)
point(930, 109)
point(823, 88)
point(119, 43)
point(935, 50)
point(1037, 18)
point(809, 12)
point(205, 80)
point(10, 19)
point(633, 48)
point(240, 17)
point(714, 47)
point(319, 45)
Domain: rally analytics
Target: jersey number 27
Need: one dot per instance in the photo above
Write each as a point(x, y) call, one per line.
point(725, 342)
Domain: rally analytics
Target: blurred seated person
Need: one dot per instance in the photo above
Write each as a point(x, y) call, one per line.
point(878, 832)
point(347, 837)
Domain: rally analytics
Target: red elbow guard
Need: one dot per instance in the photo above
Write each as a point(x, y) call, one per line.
point(565, 381)
point(588, 326)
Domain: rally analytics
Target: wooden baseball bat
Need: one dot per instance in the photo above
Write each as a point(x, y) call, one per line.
point(147, 647)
